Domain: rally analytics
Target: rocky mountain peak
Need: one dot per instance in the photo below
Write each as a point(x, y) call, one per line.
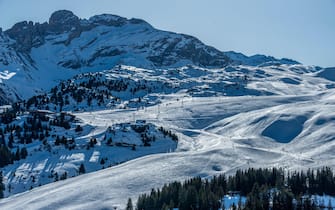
point(63, 20)
point(28, 34)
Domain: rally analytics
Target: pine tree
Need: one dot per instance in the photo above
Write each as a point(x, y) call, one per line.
point(233, 207)
point(6, 157)
point(57, 141)
point(63, 176)
point(129, 205)
point(78, 128)
point(2, 186)
point(82, 169)
point(24, 153)
point(10, 141)
point(17, 155)
point(56, 177)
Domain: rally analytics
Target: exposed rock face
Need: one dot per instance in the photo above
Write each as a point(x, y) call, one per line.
point(63, 21)
point(27, 35)
point(7, 54)
point(187, 48)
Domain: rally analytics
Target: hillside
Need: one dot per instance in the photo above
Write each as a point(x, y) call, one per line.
point(138, 107)
point(284, 124)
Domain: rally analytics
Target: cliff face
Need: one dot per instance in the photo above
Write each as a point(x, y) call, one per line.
point(30, 35)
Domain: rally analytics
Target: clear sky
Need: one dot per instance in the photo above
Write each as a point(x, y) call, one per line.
point(303, 30)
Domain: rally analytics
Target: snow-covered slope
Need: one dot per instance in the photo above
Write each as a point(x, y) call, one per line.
point(11, 64)
point(122, 80)
point(288, 123)
point(203, 151)
point(62, 143)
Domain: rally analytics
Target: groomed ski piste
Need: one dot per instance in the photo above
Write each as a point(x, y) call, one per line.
point(291, 128)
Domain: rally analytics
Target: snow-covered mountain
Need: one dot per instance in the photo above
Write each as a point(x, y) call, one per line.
point(156, 106)
point(37, 56)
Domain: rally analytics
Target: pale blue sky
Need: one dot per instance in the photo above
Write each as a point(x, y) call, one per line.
point(303, 30)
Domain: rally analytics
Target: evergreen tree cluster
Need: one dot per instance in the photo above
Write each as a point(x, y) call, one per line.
point(8, 157)
point(94, 88)
point(320, 181)
point(7, 117)
point(36, 126)
point(265, 198)
point(147, 131)
point(68, 143)
point(173, 136)
point(265, 189)
point(192, 194)
point(61, 120)
point(244, 180)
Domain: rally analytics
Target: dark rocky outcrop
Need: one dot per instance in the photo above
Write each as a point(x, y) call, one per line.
point(63, 21)
point(27, 35)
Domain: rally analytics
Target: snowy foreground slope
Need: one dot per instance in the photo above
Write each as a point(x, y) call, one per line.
point(285, 119)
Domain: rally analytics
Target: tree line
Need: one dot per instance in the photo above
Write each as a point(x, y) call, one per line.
point(263, 188)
